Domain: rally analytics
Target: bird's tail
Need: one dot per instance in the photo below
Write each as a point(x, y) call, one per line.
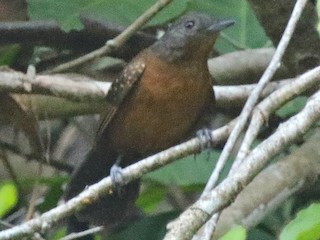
point(109, 210)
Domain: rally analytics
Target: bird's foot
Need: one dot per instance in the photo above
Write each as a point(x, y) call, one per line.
point(116, 176)
point(206, 138)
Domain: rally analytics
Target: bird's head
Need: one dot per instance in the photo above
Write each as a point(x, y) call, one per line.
point(192, 34)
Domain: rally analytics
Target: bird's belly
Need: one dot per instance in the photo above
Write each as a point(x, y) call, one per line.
point(151, 123)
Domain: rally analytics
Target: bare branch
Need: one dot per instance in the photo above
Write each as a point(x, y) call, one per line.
point(236, 96)
point(244, 67)
point(213, 201)
point(72, 87)
point(83, 233)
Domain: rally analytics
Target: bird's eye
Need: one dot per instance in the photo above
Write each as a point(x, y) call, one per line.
point(189, 24)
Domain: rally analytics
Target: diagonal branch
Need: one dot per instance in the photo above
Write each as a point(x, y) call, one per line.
point(213, 201)
point(132, 172)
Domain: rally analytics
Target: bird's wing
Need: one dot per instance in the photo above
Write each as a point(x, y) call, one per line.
point(119, 90)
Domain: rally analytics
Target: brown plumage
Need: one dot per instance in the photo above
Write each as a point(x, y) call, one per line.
point(154, 104)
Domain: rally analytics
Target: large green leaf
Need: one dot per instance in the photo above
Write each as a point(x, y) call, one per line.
point(119, 11)
point(306, 226)
point(247, 33)
point(191, 170)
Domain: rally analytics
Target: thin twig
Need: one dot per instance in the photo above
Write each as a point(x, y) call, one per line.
point(115, 43)
point(206, 232)
point(34, 194)
point(251, 102)
point(83, 233)
point(6, 224)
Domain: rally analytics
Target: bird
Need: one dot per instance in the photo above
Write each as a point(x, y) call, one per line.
point(154, 104)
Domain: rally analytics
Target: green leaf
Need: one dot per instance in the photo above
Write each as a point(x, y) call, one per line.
point(8, 197)
point(292, 107)
point(247, 33)
point(257, 233)
point(123, 12)
point(8, 54)
point(57, 234)
point(187, 171)
point(306, 226)
point(150, 198)
point(52, 197)
point(237, 232)
point(148, 228)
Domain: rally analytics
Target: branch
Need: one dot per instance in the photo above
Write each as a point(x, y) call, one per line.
point(235, 96)
point(77, 235)
point(71, 87)
point(132, 172)
point(244, 67)
point(213, 201)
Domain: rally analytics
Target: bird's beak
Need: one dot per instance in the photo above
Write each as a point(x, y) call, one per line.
point(218, 26)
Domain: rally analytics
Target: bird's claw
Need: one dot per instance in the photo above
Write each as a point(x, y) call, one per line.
point(117, 178)
point(206, 138)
